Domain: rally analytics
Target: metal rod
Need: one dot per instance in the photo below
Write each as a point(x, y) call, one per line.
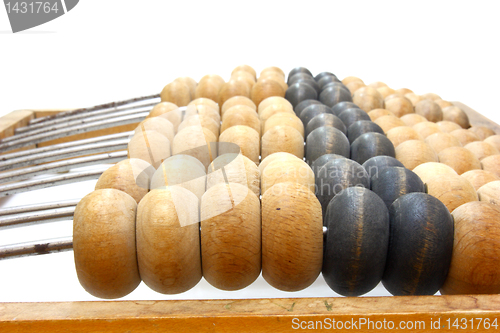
point(54, 155)
point(98, 139)
point(37, 207)
point(31, 185)
point(77, 122)
point(97, 107)
point(71, 131)
point(37, 217)
point(80, 116)
point(62, 166)
point(36, 248)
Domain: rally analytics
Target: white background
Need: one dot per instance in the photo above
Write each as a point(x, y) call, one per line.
point(110, 50)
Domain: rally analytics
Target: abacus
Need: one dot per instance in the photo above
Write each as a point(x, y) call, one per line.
point(294, 177)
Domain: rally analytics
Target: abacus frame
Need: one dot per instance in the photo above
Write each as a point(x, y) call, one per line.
point(233, 315)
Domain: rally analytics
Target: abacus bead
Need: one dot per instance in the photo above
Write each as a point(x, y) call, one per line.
point(413, 119)
point(400, 134)
point(492, 164)
point(325, 119)
point(299, 92)
point(386, 91)
point(403, 91)
point(281, 156)
point(452, 190)
point(197, 142)
point(190, 82)
point(234, 168)
point(337, 175)
point(213, 79)
point(326, 140)
point(104, 243)
point(203, 121)
point(264, 89)
point(323, 74)
point(490, 192)
point(274, 77)
point(326, 79)
point(350, 116)
point(356, 243)
point(233, 88)
point(298, 70)
point(242, 110)
point(368, 98)
point(245, 68)
point(131, 176)
point(430, 110)
point(174, 116)
point(205, 101)
point(244, 77)
point(209, 89)
point(241, 118)
point(431, 97)
point(304, 104)
point(149, 146)
point(274, 100)
point(361, 127)
point(318, 163)
point(273, 69)
point(286, 119)
point(230, 236)
point(475, 265)
point(176, 92)
point(271, 110)
point(349, 79)
point(282, 139)
point(424, 129)
point(448, 126)
point(465, 136)
point(456, 115)
point(482, 131)
point(237, 100)
point(377, 113)
point(168, 240)
point(420, 247)
point(292, 237)
point(244, 137)
point(312, 111)
point(369, 145)
point(375, 165)
point(441, 141)
point(399, 106)
point(443, 104)
point(394, 182)
point(478, 178)
point(377, 84)
point(338, 108)
point(481, 149)
point(389, 122)
point(430, 170)
point(307, 80)
point(295, 171)
point(333, 94)
point(162, 108)
point(493, 140)
point(460, 159)
point(415, 152)
point(204, 111)
point(354, 86)
point(414, 99)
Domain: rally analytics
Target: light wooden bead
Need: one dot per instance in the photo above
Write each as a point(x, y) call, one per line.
point(404, 91)
point(448, 126)
point(237, 100)
point(216, 79)
point(132, 176)
point(368, 98)
point(400, 134)
point(424, 129)
point(460, 159)
point(452, 190)
point(354, 86)
point(273, 69)
point(350, 79)
point(210, 89)
point(490, 192)
point(385, 91)
point(465, 136)
point(271, 110)
point(247, 119)
point(234, 168)
point(482, 131)
point(399, 106)
point(282, 139)
point(292, 237)
point(159, 125)
point(429, 170)
point(388, 122)
point(244, 77)
point(478, 178)
point(412, 119)
point(245, 68)
point(294, 170)
point(431, 97)
point(162, 108)
point(492, 164)
point(280, 156)
point(481, 149)
point(475, 264)
point(149, 146)
point(195, 141)
point(430, 110)
point(283, 118)
point(104, 243)
point(377, 113)
point(190, 82)
point(241, 110)
point(377, 85)
point(203, 110)
point(183, 171)
point(441, 141)
point(176, 92)
point(493, 140)
point(274, 77)
point(414, 98)
point(246, 138)
point(412, 153)
point(264, 89)
point(274, 100)
point(230, 236)
point(203, 121)
point(443, 104)
point(205, 101)
point(456, 115)
point(233, 88)
point(168, 240)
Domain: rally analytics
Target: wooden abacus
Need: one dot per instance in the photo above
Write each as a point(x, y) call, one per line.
point(287, 195)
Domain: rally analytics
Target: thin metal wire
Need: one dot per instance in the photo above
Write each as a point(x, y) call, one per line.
point(37, 217)
point(37, 207)
point(36, 248)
